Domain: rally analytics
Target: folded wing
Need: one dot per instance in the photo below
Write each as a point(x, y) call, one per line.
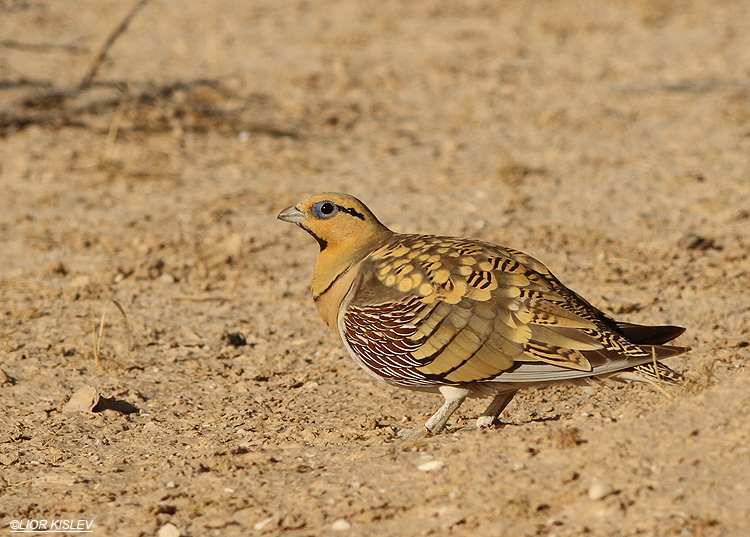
point(431, 310)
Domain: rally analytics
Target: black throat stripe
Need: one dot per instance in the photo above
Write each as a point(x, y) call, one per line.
point(355, 213)
point(321, 242)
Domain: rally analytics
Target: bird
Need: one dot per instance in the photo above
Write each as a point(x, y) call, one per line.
point(462, 317)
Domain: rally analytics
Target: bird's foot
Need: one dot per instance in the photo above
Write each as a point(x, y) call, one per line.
point(485, 422)
point(413, 435)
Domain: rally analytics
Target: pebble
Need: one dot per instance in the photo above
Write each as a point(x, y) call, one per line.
point(431, 466)
point(599, 491)
point(340, 525)
point(263, 523)
point(5, 380)
point(84, 399)
point(168, 530)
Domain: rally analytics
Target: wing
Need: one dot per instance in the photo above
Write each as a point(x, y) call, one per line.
point(433, 310)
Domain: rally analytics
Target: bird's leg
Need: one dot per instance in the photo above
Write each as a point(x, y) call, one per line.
point(497, 405)
point(454, 396)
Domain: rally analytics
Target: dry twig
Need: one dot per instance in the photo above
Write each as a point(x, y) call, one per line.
point(117, 32)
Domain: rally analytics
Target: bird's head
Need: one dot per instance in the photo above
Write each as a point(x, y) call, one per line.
point(337, 221)
point(345, 229)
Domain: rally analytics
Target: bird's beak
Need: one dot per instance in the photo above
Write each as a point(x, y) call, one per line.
point(291, 214)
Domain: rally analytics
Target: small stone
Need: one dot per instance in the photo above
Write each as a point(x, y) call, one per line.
point(83, 400)
point(697, 242)
point(431, 466)
point(599, 491)
point(340, 525)
point(263, 523)
point(235, 339)
point(7, 459)
point(168, 530)
point(5, 380)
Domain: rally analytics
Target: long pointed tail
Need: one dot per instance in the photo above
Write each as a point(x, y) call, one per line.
point(641, 334)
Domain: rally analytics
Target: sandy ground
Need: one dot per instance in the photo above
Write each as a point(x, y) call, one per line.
point(611, 140)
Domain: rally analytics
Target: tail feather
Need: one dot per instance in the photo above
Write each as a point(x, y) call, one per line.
point(658, 373)
point(654, 372)
point(649, 335)
point(660, 352)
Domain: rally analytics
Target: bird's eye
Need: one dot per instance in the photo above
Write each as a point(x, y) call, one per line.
point(325, 209)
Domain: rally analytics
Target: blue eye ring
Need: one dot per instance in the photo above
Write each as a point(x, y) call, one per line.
point(325, 209)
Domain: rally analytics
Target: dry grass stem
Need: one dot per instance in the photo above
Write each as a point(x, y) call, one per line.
point(98, 342)
point(98, 335)
point(659, 384)
point(114, 127)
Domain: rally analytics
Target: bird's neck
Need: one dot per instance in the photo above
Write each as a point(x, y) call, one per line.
point(338, 257)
